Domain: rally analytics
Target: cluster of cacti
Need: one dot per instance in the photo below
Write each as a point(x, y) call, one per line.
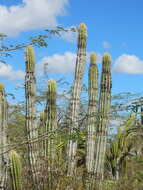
point(3, 138)
point(42, 141)
point(15, 170)
point(75, 98)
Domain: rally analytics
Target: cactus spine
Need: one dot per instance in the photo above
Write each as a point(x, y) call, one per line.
point(3, 139)
point(104, 108)
point(15, 170)
point(51, 127)
point(74, 104)
point(31, 125)
point(92, 116)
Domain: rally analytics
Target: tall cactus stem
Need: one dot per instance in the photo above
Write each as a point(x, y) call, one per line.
point(51, 129)
point(103, 117)
point(75, 98)
point(92, 117)
point(15, 170)
point(31, 125)
point(51, 119)
point(3, 138)
point(142, 115)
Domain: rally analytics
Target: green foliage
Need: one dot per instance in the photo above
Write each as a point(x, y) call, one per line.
point(109, 185)
point(16, 129)
point(117, 154)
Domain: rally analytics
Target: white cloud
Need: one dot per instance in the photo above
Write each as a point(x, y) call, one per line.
point(57, 64)
point(31, 14)
point(130, 64)
point(106, 45)
point(60, 63)
point(7, 71)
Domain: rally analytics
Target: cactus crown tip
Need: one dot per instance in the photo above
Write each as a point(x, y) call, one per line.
point(106, 54)
point(107, 57)
point(93, 58)
point(83, 30)
point(29, 48)
point(1, 86)
point(83, 25)
point(42, 115)
point(13, 154)
point(30, 58)
point(52, 85)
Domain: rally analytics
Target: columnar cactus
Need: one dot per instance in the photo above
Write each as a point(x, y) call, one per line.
point(75, 99)
point(41, 132)
point(51, 122)
point(92, 116)
point(51, 127)
point(15, 170)
point(31, 125)
point(3, 138)
point(141, 115)
point(103, 117)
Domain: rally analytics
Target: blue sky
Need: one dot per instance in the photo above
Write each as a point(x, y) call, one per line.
point(113, 25)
